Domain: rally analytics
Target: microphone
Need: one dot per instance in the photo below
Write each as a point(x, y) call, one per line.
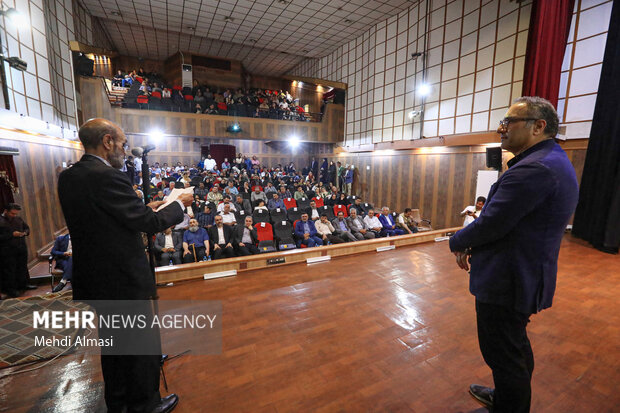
point(142, 150)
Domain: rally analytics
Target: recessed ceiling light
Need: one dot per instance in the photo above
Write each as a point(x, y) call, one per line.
point(192, 28)
point(283, 1)
point(253, 40)
point(348, 21)
point(228, 19)
point(115, 13)
point(305, 51)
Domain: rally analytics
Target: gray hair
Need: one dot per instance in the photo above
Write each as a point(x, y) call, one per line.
point(92, 132)
point(540, 108)
point(352, 209)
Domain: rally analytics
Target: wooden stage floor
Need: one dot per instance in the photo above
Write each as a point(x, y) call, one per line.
point(392, 331)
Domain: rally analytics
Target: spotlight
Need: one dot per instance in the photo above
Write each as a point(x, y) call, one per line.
point(19, 19)
point(424, 89)
point(293, 142)
point(234, 128)
point(156, 136)
point(414, 114)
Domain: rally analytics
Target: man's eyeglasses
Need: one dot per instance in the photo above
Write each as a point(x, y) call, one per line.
point(507, 121)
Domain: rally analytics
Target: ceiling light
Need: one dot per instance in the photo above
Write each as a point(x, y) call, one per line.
point(156, 136)
point(192, 28)
point(116, 13)
point(19, 19)
point(283, 1)
point(348, 21)
point(305, 51)
point(253, 40)
point(229, 19)
point(293, 141)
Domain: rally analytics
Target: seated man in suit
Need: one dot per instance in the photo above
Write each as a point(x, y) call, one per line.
point(389, 226)
point(276, 202)
point(62, 253)
point(358, 227)
point(406, 222)
point(243, 205)
point(169, 244)
point(195, 243)
point(245, 238)
point(342, 228)
point(306, 232)
point(373, 224)
point(359, 206)
point(221, 239)
point(326, 230)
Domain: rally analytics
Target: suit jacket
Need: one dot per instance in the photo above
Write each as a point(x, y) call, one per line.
point(299, 229)
point(238, 234)
point(213, 234)
point(356, 224)
point(516, 239)
point(160, 241)
point(106, 219)
point(387, 222)
point(336, 224)
point(245, 206)
point(60, 246)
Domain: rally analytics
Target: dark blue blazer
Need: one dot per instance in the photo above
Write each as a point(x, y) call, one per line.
point(385, 221)
point(299, 229)
point(516, 239)
point(60, 246)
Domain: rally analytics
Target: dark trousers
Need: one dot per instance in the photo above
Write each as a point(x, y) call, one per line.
point(174, 256)
point(507, 351)
point(247, 249)
point(15, 274)
point(222, 252)
point(66, 265)
point(334, 239)
point(200, 254)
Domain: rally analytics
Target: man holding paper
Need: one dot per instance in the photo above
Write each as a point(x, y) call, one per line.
point(105, 220)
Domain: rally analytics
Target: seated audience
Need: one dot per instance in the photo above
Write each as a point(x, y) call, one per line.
point(245, 238)
point(206, 217)
point(275, 202)
point(221, 239)
point(342, 227)
point(168, 245)
point(472, 212)
point(169, 189)
point(299, 193)
point(326, 231)
point(242, 204)
point(313, 212)
point(226, 201)
point(258, 195)
point(201, 191)
point(270, 188)
point(261, 205)
point(209, 164)
point(195, 243)
point(358, 227)
point(228, 218)
point(406, 222)
point(62, 252)
point(215, 195)
point(306, 232)
point(373, 224)
point(389, 226)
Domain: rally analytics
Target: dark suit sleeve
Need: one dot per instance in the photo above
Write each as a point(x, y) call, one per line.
point(519, 192)
point(157, 245)
point(299, 230)
point(56, 248)
point(117, 197)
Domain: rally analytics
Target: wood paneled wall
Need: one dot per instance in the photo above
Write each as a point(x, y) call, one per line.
point(38, 164)
point(95, 104)
point(440, 184)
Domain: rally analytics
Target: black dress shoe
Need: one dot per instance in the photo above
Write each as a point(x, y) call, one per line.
point(30, 287)
point(482, 394)
point(59, 287)
point(167, 404)
point(12, 294)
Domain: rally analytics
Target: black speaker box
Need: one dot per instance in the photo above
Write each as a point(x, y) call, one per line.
point(494, 158)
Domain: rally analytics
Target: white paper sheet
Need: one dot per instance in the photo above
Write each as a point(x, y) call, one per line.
point(174, 194)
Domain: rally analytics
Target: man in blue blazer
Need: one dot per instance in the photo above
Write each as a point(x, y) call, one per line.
point(513, 249)
point(62, 252)
point(389, 226)
point(306, 234)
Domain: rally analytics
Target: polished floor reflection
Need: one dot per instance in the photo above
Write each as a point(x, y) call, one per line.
point(391, 331)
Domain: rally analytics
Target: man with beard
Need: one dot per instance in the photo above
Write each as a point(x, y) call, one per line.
point(195, 243)
point(106, 219)
point(14, 252)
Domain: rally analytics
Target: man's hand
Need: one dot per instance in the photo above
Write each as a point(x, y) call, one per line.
point(241, 244)
point(462, 259)
point(185, 252)
point(67, 254)
point(216, 247)
point(186, 199)
point(18, 234)
point(228, 245)
point(306, 235)
point(155, 204)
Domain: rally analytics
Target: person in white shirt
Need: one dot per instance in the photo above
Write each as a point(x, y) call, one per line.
point(228, 218)
point(314, 212)
point(156, 180)
point(372, 223)
point(326, 230)
point(473, 211)
point(226, 201)
point(210, 163)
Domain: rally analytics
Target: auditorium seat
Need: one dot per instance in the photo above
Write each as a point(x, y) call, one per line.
point(303, 203)
point(327, 210)
point(283, 231)
point(294, 214)
point(240, 217)
point(290, 203)
point(319, 201)
point(260, 215)
point(264, 232)
point(277, 214)
point(339, 208)
point(423, 224)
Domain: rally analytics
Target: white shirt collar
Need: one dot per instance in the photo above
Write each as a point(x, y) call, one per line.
point(100, 158)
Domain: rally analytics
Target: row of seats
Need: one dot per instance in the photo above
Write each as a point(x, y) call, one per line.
point(294, 213)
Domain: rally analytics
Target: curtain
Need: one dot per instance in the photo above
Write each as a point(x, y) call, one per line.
point(597, 219)
point(546, 43)
point(8, 180)
point(220, 151)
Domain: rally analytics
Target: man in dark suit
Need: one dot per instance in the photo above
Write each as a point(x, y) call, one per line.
point(169, 245)
point(388, 223)
point(15, 251)
point(105, 219)
point(514, 246)
point(306, 234)
point(220, 236)
point(63, 254)
point(245, 238)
